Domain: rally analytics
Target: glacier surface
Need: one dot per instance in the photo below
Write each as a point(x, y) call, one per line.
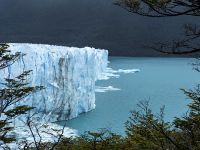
point(67, 73)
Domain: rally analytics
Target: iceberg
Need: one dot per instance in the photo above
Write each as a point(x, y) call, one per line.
point(112, 73)
point(102, 89)
point(67, 73)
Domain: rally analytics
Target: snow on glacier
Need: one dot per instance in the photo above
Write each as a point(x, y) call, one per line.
point(67, 73)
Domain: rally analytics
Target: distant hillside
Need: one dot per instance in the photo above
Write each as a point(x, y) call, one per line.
point(94, 23)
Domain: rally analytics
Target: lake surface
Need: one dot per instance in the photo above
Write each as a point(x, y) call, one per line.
point(158, 81)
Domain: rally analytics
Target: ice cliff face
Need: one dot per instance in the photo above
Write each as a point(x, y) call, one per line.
point(67, 73)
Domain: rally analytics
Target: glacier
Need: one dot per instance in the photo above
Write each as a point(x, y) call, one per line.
point(67, 73)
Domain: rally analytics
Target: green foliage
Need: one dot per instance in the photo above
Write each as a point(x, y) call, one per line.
point(6, 58)
point(18, 110)
point(146, 131)
point(102, 140)
point(189, 125)
point(12, 91)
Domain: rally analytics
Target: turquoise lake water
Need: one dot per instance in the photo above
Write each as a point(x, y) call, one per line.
point(159, 81)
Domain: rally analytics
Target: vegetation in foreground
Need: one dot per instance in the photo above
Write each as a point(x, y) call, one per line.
point(146, 131)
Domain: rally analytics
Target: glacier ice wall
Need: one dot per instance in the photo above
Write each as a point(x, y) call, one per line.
point(67, 73)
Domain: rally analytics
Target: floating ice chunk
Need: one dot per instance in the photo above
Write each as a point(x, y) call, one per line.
point(111, 73)
point(127, 71)
point(101, 89)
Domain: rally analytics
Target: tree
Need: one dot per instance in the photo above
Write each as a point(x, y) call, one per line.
point(169, 8)
point(144, 129)
point(147, 131)
point(99, 140)
point(12, 91)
